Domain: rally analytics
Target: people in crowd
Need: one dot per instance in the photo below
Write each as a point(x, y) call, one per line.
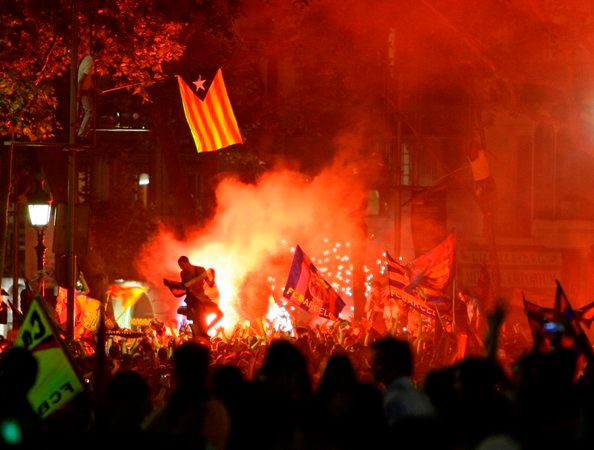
point(191, 417)
point(347, 414)
point(392, 364)
point(322, 387)
point(20, 425)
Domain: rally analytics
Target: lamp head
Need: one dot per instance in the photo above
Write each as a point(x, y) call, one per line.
point(40, 207)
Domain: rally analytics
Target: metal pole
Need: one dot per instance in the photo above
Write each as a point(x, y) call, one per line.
point(6, 163)
point(40, 249)
point(489, 218)
point(15, 256)
point(394, 78)
point(72, 185)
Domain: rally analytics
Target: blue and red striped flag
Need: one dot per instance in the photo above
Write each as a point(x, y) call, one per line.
point(307, 289)
point(401, 289)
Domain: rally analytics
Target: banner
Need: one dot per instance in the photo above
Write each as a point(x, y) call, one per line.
point(417, 304)
point(307, 289)
point(57, 380)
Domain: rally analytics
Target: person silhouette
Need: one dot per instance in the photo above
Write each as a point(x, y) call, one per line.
point(191, 416)
point(86, 90)
point(198, 285)
point(20, 425)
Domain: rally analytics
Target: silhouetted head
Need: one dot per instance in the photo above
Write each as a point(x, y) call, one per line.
point(339, 374)
point(190, 362)
point(18, 371)
point(391, 359)
point(227, 383)
point(285, 367)
point(183, 262)
point(128, 385)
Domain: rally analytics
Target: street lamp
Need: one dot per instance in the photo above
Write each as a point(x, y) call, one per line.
point(40, 208)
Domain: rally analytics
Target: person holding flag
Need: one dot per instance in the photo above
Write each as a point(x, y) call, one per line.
point(194, 284)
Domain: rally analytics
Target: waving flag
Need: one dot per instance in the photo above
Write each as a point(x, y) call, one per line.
point(565, 313)
point(427, 276)
point(433, 269)
point(562, 318)
point(399, 286)
point(537, 317)
point(586, 314)
point(129, 295)
point(211, 118)
point(397, 276)
point(57, 380)
point(562, 310)
point(307, 289)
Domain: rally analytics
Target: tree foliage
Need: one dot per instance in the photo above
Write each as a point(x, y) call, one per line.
point(35, 54)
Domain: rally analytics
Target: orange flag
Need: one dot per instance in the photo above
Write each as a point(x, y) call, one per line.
point(211, 120)
point(128, 294)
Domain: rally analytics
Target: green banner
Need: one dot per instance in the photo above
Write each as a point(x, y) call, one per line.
point(57, 380)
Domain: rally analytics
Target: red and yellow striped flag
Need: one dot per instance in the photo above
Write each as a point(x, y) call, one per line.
point(211, 120)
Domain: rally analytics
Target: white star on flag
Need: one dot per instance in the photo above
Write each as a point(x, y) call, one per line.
point(199, 83)
point(211, 120)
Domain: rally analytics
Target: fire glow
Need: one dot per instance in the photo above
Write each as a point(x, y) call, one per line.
point(241, 243)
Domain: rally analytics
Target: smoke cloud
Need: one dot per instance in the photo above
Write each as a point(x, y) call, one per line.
point(249, 239)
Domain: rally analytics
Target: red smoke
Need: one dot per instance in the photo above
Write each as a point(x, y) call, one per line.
point(251, 233)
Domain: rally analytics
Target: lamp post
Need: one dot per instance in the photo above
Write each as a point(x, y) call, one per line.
point(40, 208)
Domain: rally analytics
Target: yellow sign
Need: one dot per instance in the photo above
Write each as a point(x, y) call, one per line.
point(57, 381)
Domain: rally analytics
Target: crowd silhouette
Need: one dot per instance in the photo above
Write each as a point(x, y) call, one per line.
point(305, 391)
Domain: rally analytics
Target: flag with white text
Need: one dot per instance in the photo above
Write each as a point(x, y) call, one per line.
point(307, 289)
point(400, 289)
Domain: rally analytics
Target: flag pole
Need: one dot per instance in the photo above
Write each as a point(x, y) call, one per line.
point(72, 185)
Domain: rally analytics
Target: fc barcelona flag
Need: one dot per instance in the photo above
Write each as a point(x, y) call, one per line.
point(307, 289)
point(397, 276)
point(400, 289)
point(210, 117)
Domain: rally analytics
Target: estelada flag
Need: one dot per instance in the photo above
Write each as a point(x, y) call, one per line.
point(57, 380)
point(307, 289)
point(208, 112)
